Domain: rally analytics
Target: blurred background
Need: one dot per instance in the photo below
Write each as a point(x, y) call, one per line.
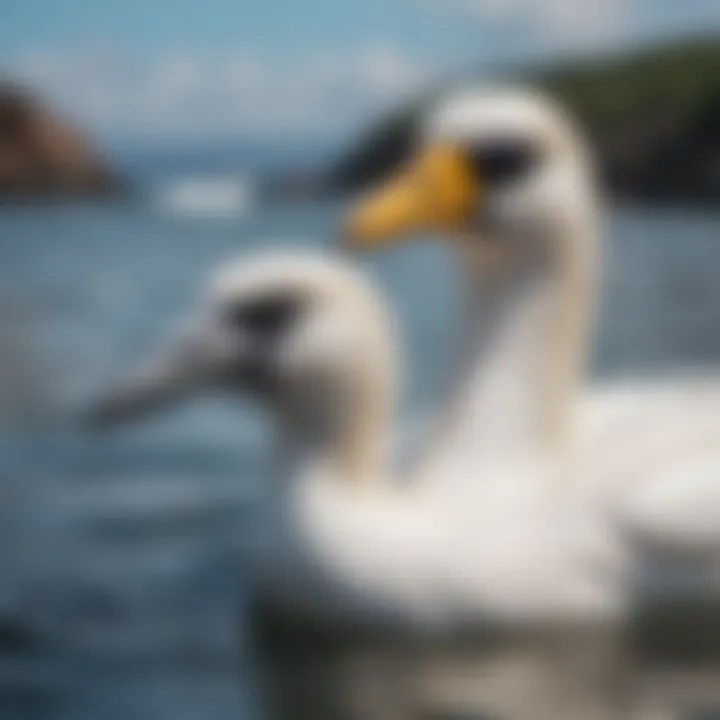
point(142, 144)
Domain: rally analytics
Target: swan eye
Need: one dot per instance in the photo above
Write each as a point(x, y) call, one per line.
point(267, 316)
point(504, 160)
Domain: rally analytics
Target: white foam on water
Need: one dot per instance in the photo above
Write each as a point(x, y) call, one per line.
point(218, 196)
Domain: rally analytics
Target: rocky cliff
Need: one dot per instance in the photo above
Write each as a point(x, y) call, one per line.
point(42, 155)
point(653, 118)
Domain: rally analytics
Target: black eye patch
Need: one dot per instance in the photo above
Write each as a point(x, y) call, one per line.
point(265, 316)
point(504, 160)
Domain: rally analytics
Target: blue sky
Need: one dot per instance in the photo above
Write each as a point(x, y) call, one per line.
point(296, 68)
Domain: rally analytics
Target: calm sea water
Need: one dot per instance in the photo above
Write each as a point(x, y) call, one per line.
point(119, 582)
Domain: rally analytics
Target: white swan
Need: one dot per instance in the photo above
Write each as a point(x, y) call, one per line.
point(506, 176)
point(344, 561)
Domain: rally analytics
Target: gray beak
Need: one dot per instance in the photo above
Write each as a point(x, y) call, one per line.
point(150, 388)
point(192, 361)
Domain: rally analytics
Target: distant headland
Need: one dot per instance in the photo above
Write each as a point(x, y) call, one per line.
point(42, 155)
point(653, 116)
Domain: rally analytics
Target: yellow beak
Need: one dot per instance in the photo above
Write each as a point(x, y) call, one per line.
point(437, 190)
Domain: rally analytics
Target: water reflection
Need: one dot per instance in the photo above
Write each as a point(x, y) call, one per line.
point(664, 666)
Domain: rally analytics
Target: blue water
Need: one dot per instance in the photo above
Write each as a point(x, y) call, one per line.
point(120, 586)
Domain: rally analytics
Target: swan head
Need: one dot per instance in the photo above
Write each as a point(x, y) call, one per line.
point(301, 333)
point(497, 164)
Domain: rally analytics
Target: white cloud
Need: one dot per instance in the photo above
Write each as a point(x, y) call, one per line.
point(176, 75)
point(184, 92)
point(386, 72)
point(554, 23)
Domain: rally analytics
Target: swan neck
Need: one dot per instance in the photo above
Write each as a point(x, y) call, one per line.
point(345, 438)
point(529, 313)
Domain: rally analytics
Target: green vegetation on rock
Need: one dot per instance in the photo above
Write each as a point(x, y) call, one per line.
point(653, 116)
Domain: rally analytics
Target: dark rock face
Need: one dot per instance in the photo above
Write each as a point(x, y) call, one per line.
point(651, 157)
point(653, 119)
point(661, 158)
point(41, 155)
